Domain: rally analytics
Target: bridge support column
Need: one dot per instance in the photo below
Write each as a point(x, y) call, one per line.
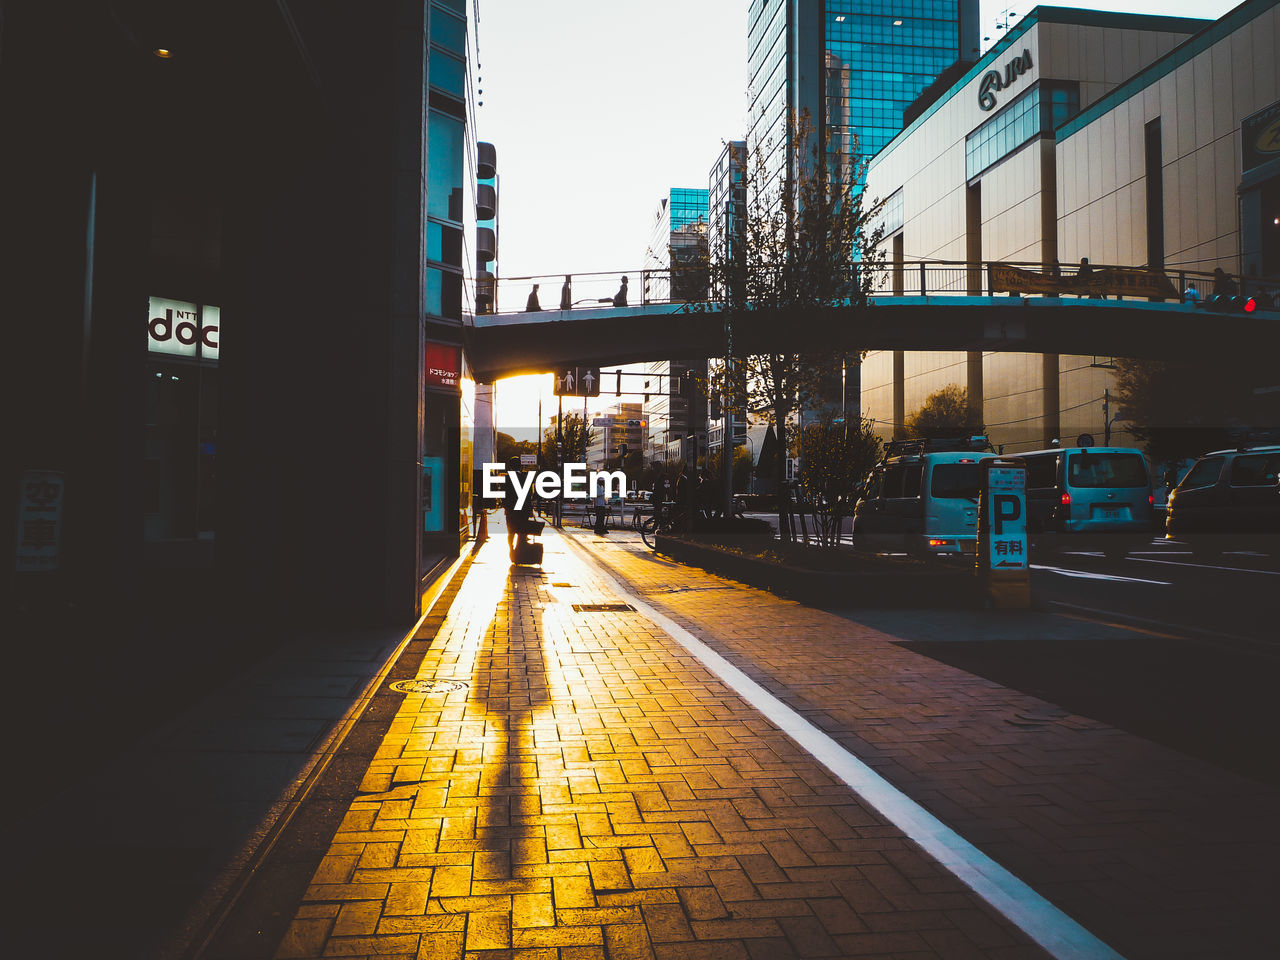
point(973, 385)
point(899, 395)
point(1050, 399)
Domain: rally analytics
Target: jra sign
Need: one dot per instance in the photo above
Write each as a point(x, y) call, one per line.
point(993, 81)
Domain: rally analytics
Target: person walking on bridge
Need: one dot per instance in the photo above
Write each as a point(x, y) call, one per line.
point(566, 294)
point(532, 303)
point(620, 298)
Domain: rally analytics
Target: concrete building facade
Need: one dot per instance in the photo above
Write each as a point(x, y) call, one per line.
point(1020, 161)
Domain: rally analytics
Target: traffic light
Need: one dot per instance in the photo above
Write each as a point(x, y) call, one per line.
point(714, 411)
point(1232, 304)
point(687, 385)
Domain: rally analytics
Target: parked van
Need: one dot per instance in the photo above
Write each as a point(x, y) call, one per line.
point(1229, 499)
point(1090, 493)
point(921, 503)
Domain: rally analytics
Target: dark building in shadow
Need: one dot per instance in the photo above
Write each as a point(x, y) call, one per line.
point(237, 239)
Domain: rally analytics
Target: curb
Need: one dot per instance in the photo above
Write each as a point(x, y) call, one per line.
point(853, 588)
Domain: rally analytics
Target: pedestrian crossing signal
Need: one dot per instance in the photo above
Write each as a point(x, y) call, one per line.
point(577, 382)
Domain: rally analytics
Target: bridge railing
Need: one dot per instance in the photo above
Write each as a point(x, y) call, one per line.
point(931, 278)
point(597, 289)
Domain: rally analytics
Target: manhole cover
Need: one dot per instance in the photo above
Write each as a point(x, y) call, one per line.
point(601, 607)
point(428, 686)
point(1037, 718)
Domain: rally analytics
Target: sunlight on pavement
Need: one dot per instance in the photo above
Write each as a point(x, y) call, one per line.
point(593, 792)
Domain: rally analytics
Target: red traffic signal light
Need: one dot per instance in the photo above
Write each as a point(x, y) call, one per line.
point(1232, 304)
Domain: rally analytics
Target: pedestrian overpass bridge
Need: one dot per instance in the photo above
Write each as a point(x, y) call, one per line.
point(599, 334)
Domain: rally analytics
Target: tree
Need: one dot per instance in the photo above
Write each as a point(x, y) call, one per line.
point(803, 247)
point(576, 437)
point(945, 413)
point(507, 446)
point(1180, 410)
point(837, 458)
point(742, 466)
point(632, 465)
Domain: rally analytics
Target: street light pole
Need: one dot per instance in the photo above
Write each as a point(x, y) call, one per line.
point(726, 405)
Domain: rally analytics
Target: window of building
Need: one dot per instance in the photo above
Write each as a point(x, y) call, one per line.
point(442, 294)
point(447, 143)
point(1037, 112)
point(180, 441)
point(892, 212)
point(449, 32)
point(447, 73)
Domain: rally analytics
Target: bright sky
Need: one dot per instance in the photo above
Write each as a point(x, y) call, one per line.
point(598, 108)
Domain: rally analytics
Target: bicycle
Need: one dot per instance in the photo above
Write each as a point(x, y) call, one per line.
point(665, 520)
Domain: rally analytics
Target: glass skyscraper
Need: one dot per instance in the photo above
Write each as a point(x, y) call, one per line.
point(678, 238)
point(851, 66)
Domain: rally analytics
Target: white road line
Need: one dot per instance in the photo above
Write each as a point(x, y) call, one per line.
point(1090, 575)
point(1039, 919)
point(1208, 566)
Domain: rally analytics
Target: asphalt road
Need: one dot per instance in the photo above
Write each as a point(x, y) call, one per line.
point(1232, 595)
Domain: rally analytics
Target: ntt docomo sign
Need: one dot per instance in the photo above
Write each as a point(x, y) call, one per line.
point(183, 329)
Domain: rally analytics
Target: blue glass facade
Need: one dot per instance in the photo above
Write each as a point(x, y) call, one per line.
point(679, 237)
point(1042, 108)
point(852, 65)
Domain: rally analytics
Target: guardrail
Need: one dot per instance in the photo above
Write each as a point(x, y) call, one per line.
point(927, 278)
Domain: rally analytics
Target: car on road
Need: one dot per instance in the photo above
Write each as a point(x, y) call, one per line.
point(921, 503)
point(1091, 497)
point(1227, 494)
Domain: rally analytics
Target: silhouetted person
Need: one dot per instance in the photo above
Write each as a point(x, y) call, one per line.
point(1191, 295)
point(517, 518)
point(661, 490)
point(1085, 274)
point(602, 505)
point(566, 295)
point(532, 303)
point(707, 490)
point(1223, 285)
point(684, 492)
point(620, 298)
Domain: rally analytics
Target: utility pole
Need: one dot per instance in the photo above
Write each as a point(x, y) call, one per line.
point(1106, 417)
point(726, 405)
point(559, 457)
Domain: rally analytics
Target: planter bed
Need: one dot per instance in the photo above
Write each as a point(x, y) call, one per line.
point(827, 576)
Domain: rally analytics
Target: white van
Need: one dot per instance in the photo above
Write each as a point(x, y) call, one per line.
point(922, 504)
point(1090, 493)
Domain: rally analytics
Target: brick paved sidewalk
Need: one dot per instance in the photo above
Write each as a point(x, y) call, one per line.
point(576, 785)
point(1159, 854)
